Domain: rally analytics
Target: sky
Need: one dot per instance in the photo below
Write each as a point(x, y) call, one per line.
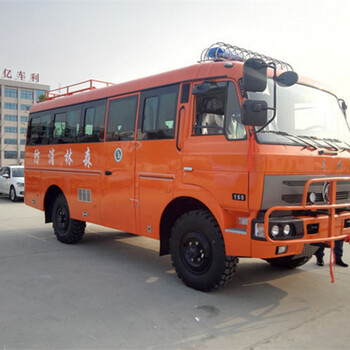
point(71, 41)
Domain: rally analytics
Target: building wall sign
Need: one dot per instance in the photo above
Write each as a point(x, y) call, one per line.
point(19, 75)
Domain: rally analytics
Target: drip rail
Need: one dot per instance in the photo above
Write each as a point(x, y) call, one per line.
point(76, 88)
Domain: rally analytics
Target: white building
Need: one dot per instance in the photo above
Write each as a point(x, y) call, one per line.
point(16, 98)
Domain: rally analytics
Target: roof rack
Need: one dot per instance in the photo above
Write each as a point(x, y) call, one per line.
point(225, 52)
point(76, 88)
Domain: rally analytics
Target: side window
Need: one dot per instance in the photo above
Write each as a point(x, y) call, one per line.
point(59, 127)
point(33, 131)
point(158, 113)
point(121, 119)
point(66, 126)
point(218, 112)
point(73, 124)
point(234, 129)
point(150, 114)
point(39, 130)
point(94, 123)
point(6, 171)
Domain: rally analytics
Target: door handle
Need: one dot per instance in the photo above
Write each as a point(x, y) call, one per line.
point(108, 172)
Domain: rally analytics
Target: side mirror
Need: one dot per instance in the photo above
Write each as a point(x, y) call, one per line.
point(287, 79)
point(254, 112)
point(254, 75)
point(6, 176)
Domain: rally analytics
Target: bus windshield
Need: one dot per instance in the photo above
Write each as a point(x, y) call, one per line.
point(304, 113)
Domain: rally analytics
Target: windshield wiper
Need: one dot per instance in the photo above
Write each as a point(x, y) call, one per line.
point(328, 142)
point(292, 137)
point(342, 149)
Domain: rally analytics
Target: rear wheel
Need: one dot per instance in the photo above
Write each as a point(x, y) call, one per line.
point(198, 252)
point(67, 230)
point(13, 195)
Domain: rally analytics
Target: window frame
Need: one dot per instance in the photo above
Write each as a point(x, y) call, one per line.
point(25, 93)
point(11, 92)
point(7, 152)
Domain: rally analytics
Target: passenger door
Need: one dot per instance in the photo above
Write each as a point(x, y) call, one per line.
point(157, 158)
point(118, 198)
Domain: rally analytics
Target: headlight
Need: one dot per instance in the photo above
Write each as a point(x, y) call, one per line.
point(286, 230)
point(275, 230)
point(259, 230)
point(20, 184)
point(312, 197)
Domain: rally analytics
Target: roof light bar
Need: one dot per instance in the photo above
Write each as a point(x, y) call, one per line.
point(225, 52)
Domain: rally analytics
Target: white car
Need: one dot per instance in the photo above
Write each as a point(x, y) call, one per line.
point(12, 181)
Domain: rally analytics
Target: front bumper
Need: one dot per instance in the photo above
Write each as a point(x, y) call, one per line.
point(19, 191)
point(328, 222)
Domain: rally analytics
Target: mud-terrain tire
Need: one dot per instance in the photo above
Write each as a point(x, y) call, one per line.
point(198, 252)
point(67, 230)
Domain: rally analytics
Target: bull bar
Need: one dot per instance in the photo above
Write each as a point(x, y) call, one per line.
point(331, 206)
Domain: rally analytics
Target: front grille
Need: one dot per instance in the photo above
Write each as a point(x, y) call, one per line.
point(280, 190)
point(297, 198)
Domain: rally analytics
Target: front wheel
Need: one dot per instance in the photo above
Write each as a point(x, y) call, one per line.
point(67, 230)
point(198, 252)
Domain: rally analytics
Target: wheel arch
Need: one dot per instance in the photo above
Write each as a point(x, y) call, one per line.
point(177, 207)
point(50, 196)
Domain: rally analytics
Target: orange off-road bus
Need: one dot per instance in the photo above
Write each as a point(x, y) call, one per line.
point(235, 156)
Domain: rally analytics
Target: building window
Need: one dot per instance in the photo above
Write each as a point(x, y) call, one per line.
point(22, 154)
point(11, 105)
point(38, 93)
point(10, 141)
point(23, 141)
point(11, 118)
point(27, 95)
point(10, 154)
point(25, 107)
point(11, 129)
point(24, 119)
point(11, 92)
point(23, 130)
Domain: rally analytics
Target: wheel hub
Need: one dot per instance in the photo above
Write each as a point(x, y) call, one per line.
point(196, 252)
point(62, 218)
